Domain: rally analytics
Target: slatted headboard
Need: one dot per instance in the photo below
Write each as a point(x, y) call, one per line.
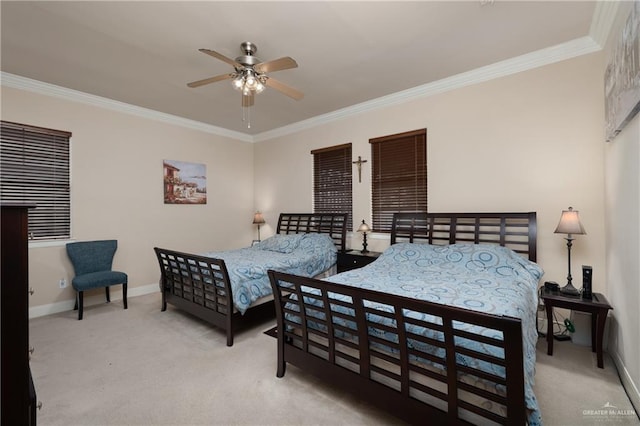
point(518, 231)
point(332, 224)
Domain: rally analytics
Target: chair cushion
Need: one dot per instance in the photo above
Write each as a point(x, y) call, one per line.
point(92, 256)
point(98, 279)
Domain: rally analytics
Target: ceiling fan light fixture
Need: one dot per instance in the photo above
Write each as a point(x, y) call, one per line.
point(260, 85)
point(249, 82)
point(238, 82)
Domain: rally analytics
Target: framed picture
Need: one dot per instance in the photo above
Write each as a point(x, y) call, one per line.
point(622, 76)
point(184, 183)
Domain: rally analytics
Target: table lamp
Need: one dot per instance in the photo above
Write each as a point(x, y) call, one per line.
point(258, 220)
point(569, 224)
point(364, 228)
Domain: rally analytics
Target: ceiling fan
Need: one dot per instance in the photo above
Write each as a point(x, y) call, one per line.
point(250, 74)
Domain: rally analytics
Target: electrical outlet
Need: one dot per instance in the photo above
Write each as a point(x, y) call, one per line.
point(62, 283)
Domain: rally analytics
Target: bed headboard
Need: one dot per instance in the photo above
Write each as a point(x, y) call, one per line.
point(518, 231)
point(332, 224)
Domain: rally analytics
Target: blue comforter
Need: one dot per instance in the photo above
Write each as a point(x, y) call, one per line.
point(300, 254)
point(482, 278)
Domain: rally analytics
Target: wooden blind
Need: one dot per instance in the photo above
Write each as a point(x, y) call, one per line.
point(399, 176)
point(332, 179)
point(34, 168)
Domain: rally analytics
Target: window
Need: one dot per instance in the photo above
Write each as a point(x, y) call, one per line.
point(34, 168)
point(399, 176)
point(332, 181)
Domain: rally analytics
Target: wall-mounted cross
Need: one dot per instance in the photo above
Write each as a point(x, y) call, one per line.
point(359, 164)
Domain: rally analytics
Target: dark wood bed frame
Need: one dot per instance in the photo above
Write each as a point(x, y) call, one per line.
point(200, 285)
point(344, 352)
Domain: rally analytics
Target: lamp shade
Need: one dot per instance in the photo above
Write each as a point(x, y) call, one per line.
point(570, 223)
point(364, 227)
point(258, 219)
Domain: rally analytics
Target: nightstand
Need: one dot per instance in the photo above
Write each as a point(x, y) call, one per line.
point(598, 307)
point(353, 259)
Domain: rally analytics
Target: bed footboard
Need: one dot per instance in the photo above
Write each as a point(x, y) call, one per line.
point(416, 359)
point(198, 285)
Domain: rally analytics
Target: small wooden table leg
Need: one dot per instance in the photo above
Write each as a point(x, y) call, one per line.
point(549, 309)
point(594, 328)
point(602, 318)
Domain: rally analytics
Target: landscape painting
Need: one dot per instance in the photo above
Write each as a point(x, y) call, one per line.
point(184, 183)
point(622, 77)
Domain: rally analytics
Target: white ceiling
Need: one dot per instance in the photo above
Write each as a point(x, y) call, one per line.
point(143, 53)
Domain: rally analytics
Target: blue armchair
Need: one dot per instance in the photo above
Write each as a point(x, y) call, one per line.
point(92, 262)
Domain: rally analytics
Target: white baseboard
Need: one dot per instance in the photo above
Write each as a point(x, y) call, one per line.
point(67, 305)
point(627, 381)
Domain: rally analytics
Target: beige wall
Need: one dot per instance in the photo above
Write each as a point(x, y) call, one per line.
point(622, 210)
point(117, 191)
point(528, 142)
point(623, 252)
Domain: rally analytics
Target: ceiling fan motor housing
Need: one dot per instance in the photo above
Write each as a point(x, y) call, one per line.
point(249, 50)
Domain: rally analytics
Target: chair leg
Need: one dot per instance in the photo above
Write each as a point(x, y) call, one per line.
point(75, 307)
point(106, 289)
point(80, 304)
point(124, 294)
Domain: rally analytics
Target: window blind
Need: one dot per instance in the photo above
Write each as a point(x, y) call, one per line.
point(34, 168)
point(332, 180)
point(399, 176)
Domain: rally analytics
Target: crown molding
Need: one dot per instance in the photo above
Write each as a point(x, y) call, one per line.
point(35, 86)
point(604, 17)
point(550, 55)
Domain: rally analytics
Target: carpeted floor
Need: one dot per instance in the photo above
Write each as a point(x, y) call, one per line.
point(145, 367)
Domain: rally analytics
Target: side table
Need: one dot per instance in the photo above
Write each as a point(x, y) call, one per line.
point(598, 307)
point(352, 259)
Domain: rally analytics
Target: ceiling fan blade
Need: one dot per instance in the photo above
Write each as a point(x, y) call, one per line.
point(276, 65)
point(210, 80)
point(221, 57)
point(287, 90)
point(247, 100)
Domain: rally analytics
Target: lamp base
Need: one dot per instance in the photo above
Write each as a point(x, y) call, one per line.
point(570, 290)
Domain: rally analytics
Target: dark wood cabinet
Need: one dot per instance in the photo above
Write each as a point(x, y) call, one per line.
point(17, 391)
point(348, 260)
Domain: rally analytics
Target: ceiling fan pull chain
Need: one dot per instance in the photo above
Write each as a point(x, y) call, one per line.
point(246, 112)
point(243, 107)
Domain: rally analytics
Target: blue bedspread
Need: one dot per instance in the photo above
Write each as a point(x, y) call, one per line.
point(484, 278)
point(300, 254)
